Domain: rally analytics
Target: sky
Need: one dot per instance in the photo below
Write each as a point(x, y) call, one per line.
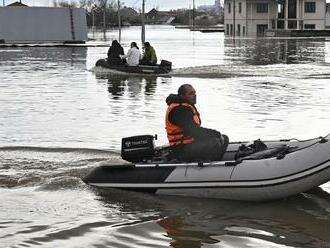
point(161, 4)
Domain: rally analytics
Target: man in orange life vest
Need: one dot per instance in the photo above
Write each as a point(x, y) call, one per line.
point(190, 141)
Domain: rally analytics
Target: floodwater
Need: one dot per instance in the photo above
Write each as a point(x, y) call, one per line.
point(61, 117)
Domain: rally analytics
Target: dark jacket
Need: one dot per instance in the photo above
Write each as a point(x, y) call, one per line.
point(113, 54)
point(182, 116)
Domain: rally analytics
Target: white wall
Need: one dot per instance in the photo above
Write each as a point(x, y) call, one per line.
point(41, 24)
point(249, 18)
point(327, 15)
point(317, 18)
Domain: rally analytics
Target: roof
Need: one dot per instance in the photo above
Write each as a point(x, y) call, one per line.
point(153, 12)
point(17, 4)
point(128, 12)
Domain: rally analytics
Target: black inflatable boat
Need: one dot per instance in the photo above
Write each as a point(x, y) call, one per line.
point(162, 68)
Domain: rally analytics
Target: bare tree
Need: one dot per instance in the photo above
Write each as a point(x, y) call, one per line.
point(88, 4)
point(103, 4)
point(64, 4)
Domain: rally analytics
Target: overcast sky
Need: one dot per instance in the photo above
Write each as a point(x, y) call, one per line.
point(162, 4)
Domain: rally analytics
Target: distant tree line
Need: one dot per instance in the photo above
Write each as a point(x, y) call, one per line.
point(100, 13)
point(184, 17)
point(104, 13)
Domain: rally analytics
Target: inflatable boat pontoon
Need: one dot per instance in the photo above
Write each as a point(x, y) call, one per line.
point(277, 170)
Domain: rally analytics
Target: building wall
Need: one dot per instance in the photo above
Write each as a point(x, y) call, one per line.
point(317, 18)
point(250, 18)
point(42, 24)
point(327, 16)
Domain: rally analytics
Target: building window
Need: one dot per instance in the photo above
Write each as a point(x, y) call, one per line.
point(310, 7)
point(309, 26)
point(239, 7)
point(280, 24)
point(243, 31)
point(292, 9)
point(227, 29)
point(262, 7)
point(280, 10)
point(292, 24)
point(231, 29)
point(229, 8)
point(239, 29)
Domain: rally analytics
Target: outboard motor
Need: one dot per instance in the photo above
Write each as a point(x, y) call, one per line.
point(166, 65)
point(138, 148)
point(102, 62)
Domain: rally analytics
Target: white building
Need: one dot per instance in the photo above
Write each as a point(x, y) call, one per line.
point(254, 17)
point(42, 24)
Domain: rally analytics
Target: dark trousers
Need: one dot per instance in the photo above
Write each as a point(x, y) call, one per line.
point(203, 150)
point(146, 62)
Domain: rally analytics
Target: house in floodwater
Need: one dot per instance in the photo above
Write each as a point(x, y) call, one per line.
point(253, 18)
point(22, 24)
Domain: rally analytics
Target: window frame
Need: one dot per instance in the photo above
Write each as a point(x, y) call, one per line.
point(309, 26)
point(310, 7)
point(262, 7)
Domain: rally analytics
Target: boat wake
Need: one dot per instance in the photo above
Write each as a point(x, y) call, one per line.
point(298, 71)
point(50, 168)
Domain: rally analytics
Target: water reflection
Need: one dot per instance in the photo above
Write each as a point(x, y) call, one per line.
point(119, 85)
point(193, 222)
point(275, 51)
point(116, 86)
point(43, 55)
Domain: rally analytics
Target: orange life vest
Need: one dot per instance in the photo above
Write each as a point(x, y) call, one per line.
point(175, 133)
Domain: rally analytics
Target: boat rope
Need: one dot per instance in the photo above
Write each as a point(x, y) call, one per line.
point(321, 140)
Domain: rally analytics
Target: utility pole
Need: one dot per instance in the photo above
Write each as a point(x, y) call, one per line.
point(193, 14)
point(189, 16)
point(3, 4)
point(104, 2)
point(234, 19)
point(104, 20)
point(119, 23)
point(93, 21)
point(143, 29)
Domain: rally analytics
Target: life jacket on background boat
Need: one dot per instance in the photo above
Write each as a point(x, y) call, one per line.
point(175, 134)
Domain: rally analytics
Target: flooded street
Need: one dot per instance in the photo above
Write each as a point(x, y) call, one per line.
point(60, 117)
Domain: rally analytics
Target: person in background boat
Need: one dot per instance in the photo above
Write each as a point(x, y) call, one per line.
point(133, 55)
point(114, 53)
point(149, 55)
point(188, 140)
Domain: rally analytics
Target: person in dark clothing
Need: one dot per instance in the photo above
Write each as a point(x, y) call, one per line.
point(114, 53)
point(188, 140)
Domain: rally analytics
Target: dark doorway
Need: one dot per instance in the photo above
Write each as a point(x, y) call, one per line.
point(261, 29)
